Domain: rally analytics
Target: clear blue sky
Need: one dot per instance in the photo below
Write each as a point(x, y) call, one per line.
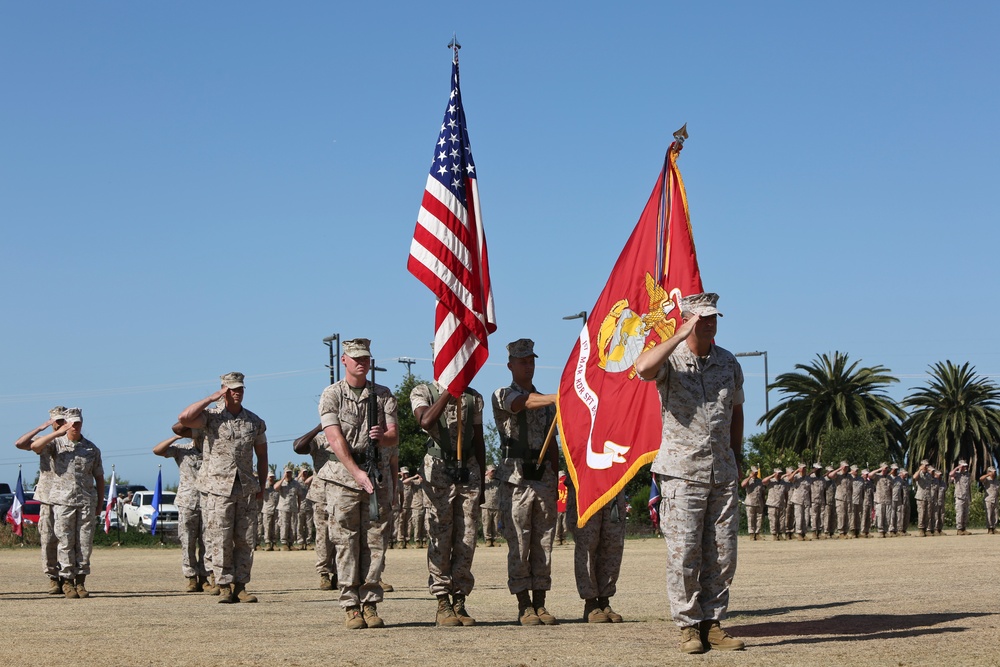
point(192, 188)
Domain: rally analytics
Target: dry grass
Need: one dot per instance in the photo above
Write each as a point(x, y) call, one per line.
point(902, 601)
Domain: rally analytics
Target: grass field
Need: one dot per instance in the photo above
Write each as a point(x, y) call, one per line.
point(901, 601)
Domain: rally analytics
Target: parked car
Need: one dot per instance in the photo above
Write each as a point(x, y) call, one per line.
point(138, 514)
point(115, 524)
point(5, 488)
point(31, 510)
point(6, 500)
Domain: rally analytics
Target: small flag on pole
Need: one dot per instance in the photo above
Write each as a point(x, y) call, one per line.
point(15, 515)
point(109, 506)
point(156, 502)
point(654, 503)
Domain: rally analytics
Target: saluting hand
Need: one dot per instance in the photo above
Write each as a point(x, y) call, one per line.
point(687, 327)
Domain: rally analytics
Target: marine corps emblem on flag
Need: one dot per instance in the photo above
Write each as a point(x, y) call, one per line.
point(609, 419)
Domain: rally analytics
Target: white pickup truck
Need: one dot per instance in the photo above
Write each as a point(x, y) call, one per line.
point(138, 514)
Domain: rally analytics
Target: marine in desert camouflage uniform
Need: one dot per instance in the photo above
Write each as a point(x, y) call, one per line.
point(233, 436)
point(753, 502)
point(491, 507)
point(46, 524)
point(963, 495)
point(528, 491)
point(991, 487)
point(75, 492)
point(453, 492)
point(269, 513)
point(598, 547)
point(777, 495)
point(701, 397)
point(360, 539)
point(289, 491)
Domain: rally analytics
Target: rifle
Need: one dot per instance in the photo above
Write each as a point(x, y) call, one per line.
point(373, 459)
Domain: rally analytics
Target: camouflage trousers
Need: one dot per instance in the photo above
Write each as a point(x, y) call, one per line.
point(529, 526)
point(923, 513)
point(883, 513)
point(961, 512)
point(844, 511)
point(801, 514)
point(304, 526)
point(991, 512)
point(901, 518)
point(74, 533)
point(755, 519)
point(402, 529)
point(776, 520)
point(561, 526)
point(490, 519)
point(816, 517)
point(229, 533)
point(866, 517)
point(360, 541)
point(190, 530)
point(326, 553)
point(855, 524)
point(286, 526)
point(829, 518)
point(700, 525)
point(789, 519)
point(418, 524)
point(597, 551)
point(47, 537)
point(452, 513)
point(270, 527)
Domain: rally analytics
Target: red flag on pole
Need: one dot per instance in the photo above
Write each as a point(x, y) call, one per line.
point(448, 253)
point(610, 419)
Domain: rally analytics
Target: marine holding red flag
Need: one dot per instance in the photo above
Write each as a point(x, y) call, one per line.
point(609, 419)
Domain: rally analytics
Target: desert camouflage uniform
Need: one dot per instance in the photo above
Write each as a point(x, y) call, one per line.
point(326, 553)
point(418, 514)
point(904, 514)
point(491, 509)
point(990, 497)
point(857, 503)
point(528, 507)
point(830, 511)
point(883, 501)
point(868, 502)
point(843, 492)
point(817, 485)
point(288, 508)
point(230, 488)
point(72, 493)
point(452, 507)
point(46, 522)
point(777, 497)
point(801, 501)
point(360, 541)
point(925, 489)
point(698, 485)
point(895, 514)
point(597, 547)
point(753, 502)
point(962, 498)
point(190, 523)
point(304, 523)
point(269, 510)
point(405, 513)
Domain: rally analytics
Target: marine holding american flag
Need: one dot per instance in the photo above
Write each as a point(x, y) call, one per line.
point(697, 467)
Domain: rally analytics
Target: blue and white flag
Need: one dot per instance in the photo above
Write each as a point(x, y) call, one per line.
point(156, 502)
point(15, 515)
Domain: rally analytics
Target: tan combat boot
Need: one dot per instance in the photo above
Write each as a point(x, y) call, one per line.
point(593, 613)
point(193, 585)
point(403, 545)
point(370, 613)
point(208, 584)
point(543, 615)
point(386, 588)
point(81, 590)
point(354, 621)
point(270, 546)
point(241, 594)
point(55, 586)
point(69, 589)
point(490, 543)
point(525, 612)
point(458, 605)
point(285, 547)
point(324, 582)
point(612, 615)
point(715, 637)
point(691, 640)
point(445, 617)
point(226, 595)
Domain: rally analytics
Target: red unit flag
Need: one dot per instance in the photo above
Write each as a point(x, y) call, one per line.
point(610, 419)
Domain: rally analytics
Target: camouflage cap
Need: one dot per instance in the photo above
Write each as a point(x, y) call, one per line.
point(491, 468)
point(843, 463)
point(829, 468)
point(73, 415)
point(754, 469)
point(776, 470)
point(270, 475)
point(562, 473)
point(801, 464)
point(924, 462)
point(789, 469)
point(818, 466)
point(894, 466)
point(522, 347)
point(703, 304)
point(963, 463)
point(57, 412)
point(232, 380)
point(854, 468)
point(883, 465)
point(991, 469)
point(404, 469)
point(358, 347)
point(865, 471)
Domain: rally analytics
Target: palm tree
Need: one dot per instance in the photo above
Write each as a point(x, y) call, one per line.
point(956, 416)
point(828, 395)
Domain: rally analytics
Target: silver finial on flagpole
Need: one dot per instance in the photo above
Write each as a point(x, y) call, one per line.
point(681, 134)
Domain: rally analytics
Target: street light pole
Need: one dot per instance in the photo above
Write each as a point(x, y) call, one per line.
point(767, 406)
point(581, 315)
point(334, 367)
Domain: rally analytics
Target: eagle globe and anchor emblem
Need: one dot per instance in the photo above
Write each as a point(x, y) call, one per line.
point(621, 338)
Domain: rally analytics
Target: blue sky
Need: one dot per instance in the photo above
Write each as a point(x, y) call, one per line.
point(192, 188)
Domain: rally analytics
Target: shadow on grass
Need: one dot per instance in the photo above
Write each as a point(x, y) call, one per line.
point(853, 627)
point(775, 611)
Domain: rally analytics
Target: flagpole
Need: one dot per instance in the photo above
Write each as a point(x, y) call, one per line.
point(548, 439)
point(454, 45)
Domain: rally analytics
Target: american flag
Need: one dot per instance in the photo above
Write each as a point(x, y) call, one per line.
point(448, 253)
